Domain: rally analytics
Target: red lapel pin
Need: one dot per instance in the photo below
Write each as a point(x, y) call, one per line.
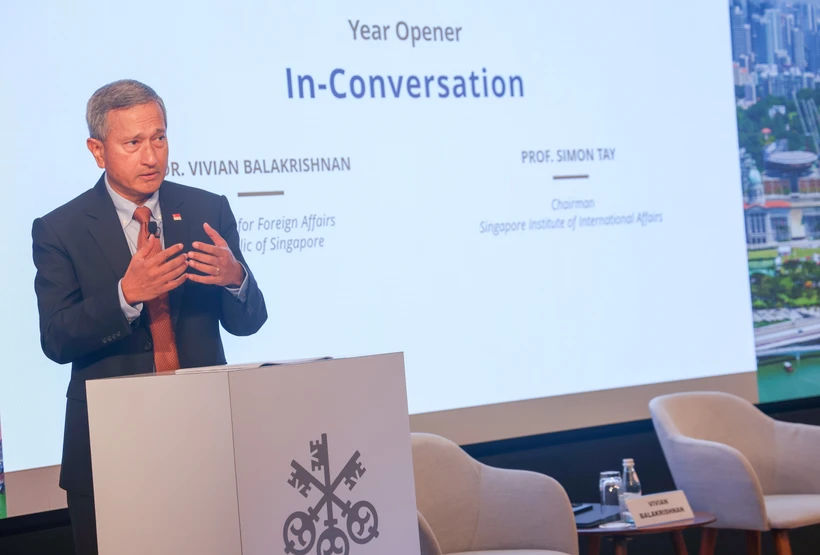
point(177, 217)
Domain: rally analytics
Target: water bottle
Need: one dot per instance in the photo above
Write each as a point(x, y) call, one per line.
point(631, 488)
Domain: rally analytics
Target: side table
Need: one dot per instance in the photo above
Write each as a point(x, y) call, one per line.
point(621, 535)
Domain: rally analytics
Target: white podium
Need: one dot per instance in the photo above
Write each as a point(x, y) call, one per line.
point(310, 457)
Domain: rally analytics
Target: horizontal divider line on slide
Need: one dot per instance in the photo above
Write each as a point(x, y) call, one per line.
point(583, 176)
point(261, 194)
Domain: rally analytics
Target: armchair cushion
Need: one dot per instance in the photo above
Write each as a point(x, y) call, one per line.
point(792, 511)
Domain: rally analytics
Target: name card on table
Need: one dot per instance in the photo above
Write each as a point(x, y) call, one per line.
point(659, 508)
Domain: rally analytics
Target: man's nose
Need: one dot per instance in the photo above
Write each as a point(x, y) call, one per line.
point(149, 156)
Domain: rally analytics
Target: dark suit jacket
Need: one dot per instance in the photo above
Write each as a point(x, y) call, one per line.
point(81, 253)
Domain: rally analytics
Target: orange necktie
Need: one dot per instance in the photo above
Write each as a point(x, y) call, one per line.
point(162, 332)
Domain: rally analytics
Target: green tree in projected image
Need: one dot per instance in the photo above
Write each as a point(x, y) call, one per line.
point(797, 284)
point(753, 120)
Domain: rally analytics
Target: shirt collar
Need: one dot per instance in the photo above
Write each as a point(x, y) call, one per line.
point(125, 208)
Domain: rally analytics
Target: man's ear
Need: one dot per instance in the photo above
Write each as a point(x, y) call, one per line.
point(97, 149)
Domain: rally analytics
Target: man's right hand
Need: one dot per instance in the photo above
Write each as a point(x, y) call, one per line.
point(148, 277)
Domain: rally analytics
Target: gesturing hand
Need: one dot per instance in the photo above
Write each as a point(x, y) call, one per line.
point(216, 261)
point(148, 277)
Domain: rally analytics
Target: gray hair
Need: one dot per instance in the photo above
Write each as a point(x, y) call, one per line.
point(115, 96)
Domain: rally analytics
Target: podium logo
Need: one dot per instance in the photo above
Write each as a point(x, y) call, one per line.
point(362, 522)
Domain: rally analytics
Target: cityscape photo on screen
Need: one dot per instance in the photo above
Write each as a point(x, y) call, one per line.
point(776, 65)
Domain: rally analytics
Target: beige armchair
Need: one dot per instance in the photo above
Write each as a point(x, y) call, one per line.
point(755, 473)
point(476, 509)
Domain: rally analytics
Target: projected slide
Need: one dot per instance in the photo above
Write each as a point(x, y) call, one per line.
point(528, 199)
point(776, 59)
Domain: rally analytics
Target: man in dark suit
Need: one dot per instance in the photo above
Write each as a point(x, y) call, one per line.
point(135, 275)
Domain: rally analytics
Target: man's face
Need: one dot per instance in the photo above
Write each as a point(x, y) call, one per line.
point(135, 152)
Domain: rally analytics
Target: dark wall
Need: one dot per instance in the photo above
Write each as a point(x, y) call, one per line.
point(574, 458)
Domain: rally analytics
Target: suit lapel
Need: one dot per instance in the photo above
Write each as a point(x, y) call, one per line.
point(175, 231)
point(105, 227)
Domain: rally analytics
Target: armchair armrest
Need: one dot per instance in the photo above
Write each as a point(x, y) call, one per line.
point(427, 540)
point(524, 510)
point(719, 479)
point(797, 449)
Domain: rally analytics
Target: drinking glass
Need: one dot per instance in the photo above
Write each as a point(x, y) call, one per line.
point(610, 484)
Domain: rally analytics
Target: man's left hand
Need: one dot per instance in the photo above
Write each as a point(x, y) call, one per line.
point(216, 261)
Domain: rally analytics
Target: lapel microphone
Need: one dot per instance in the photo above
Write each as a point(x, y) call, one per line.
point(153, 229)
